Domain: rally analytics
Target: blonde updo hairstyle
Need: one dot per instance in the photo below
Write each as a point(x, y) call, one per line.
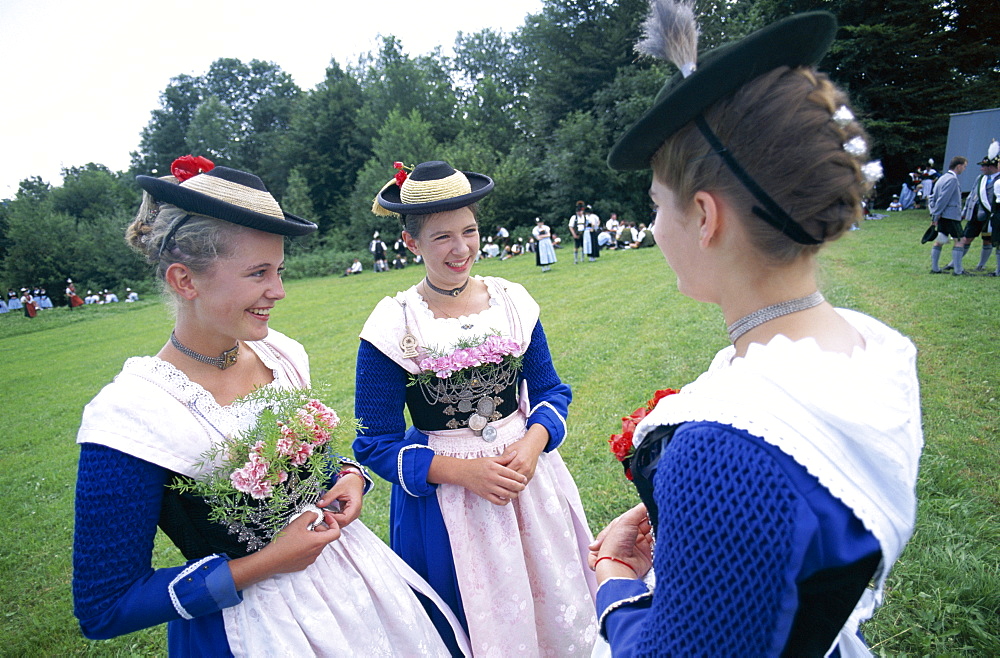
point(198, 243)
point(779, 127)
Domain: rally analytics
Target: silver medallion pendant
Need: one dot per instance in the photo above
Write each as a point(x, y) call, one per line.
point(486, 406)
point(489, 434)
point(477, 422)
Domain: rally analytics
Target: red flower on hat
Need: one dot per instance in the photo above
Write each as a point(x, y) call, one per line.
point(401, 172)
point(187, 166)
point(621, 444)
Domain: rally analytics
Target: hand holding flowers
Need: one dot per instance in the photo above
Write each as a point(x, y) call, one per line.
point(259, 479)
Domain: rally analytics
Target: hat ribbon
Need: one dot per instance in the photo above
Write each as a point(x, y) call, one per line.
point(771, 213)
point(170, 235)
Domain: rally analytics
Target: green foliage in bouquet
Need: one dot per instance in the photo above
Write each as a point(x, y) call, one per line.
point(256, 480)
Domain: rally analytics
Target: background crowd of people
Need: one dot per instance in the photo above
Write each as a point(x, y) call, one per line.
point(31, 300)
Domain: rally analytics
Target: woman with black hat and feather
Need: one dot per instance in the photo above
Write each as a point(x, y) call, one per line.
point(321, 586)
point(779, 484)
point(482, 504)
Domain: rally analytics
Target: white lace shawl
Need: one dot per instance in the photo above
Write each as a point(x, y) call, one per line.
point(153, 411)
point(852, 421)
point(512, 312)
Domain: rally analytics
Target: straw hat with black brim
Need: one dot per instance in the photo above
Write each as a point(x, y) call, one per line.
point(430, 188)
point(230, 195)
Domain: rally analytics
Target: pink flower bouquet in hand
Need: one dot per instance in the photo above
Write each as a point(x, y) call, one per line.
point(257, 480)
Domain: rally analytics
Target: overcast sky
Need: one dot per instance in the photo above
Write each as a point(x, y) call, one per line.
point(79, 79)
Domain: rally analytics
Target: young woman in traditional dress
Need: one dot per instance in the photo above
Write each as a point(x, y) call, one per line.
point(482, 504)
point(217, 241)
point(780, 483)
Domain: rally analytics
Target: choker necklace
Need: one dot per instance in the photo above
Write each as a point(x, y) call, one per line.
point(223, 361)
point(768, 313)
point(454, 292)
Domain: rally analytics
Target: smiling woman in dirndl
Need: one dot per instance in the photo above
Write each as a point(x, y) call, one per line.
point(321, 586)
point(482, 504)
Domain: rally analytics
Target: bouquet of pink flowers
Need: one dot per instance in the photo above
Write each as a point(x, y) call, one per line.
point(257, 480)
point(491, 351)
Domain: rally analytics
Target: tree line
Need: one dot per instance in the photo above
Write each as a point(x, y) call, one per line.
point(537, 109)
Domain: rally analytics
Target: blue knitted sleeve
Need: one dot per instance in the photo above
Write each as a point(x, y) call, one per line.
point(548, 395)
point(383, 444)
point(731, 537)
point(115, 588)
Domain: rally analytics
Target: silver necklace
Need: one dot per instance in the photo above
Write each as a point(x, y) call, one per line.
point(768, 313)
point(223, 361)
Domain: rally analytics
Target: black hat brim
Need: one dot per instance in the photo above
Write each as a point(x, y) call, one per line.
point(799, 40)
point(199, 203)
point(480, 184)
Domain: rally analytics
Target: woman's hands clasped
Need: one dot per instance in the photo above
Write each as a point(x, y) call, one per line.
point(496, 479)
point(491, 478)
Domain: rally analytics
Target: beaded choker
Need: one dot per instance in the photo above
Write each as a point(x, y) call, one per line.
point(454, 292)
point(223, 361)
point(768, 313)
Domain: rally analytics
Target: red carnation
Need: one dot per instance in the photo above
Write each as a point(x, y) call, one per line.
point(397, 165)
point(187, 166)
point(400, 177)
point(659, 395)
point(621, 444)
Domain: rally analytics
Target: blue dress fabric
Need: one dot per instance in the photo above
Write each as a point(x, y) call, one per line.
point(115, 588)
point(731, 552)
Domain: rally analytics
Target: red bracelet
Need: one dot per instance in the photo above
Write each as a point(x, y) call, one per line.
point(348, 472)
point(614, 559)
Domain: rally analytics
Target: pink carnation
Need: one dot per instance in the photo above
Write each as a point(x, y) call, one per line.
point(241, 480)
point(325, 414)
point(261, 489)
point(257, 469)
point(304, 451)
point(306, 418)
point(320, 436)
point(286, 446)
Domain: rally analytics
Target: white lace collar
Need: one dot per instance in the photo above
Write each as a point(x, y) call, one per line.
point(223, 419)
point(420, 303)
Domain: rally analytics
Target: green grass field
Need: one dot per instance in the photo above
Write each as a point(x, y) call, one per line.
point(618, 330)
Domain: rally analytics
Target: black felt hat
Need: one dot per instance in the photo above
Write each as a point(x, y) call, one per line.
point(230, 195)
point(432, 187)
point(799, 40)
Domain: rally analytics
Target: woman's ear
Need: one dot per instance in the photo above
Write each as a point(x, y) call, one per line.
point(709, 211)
point(410, 243)
point(179, 277)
